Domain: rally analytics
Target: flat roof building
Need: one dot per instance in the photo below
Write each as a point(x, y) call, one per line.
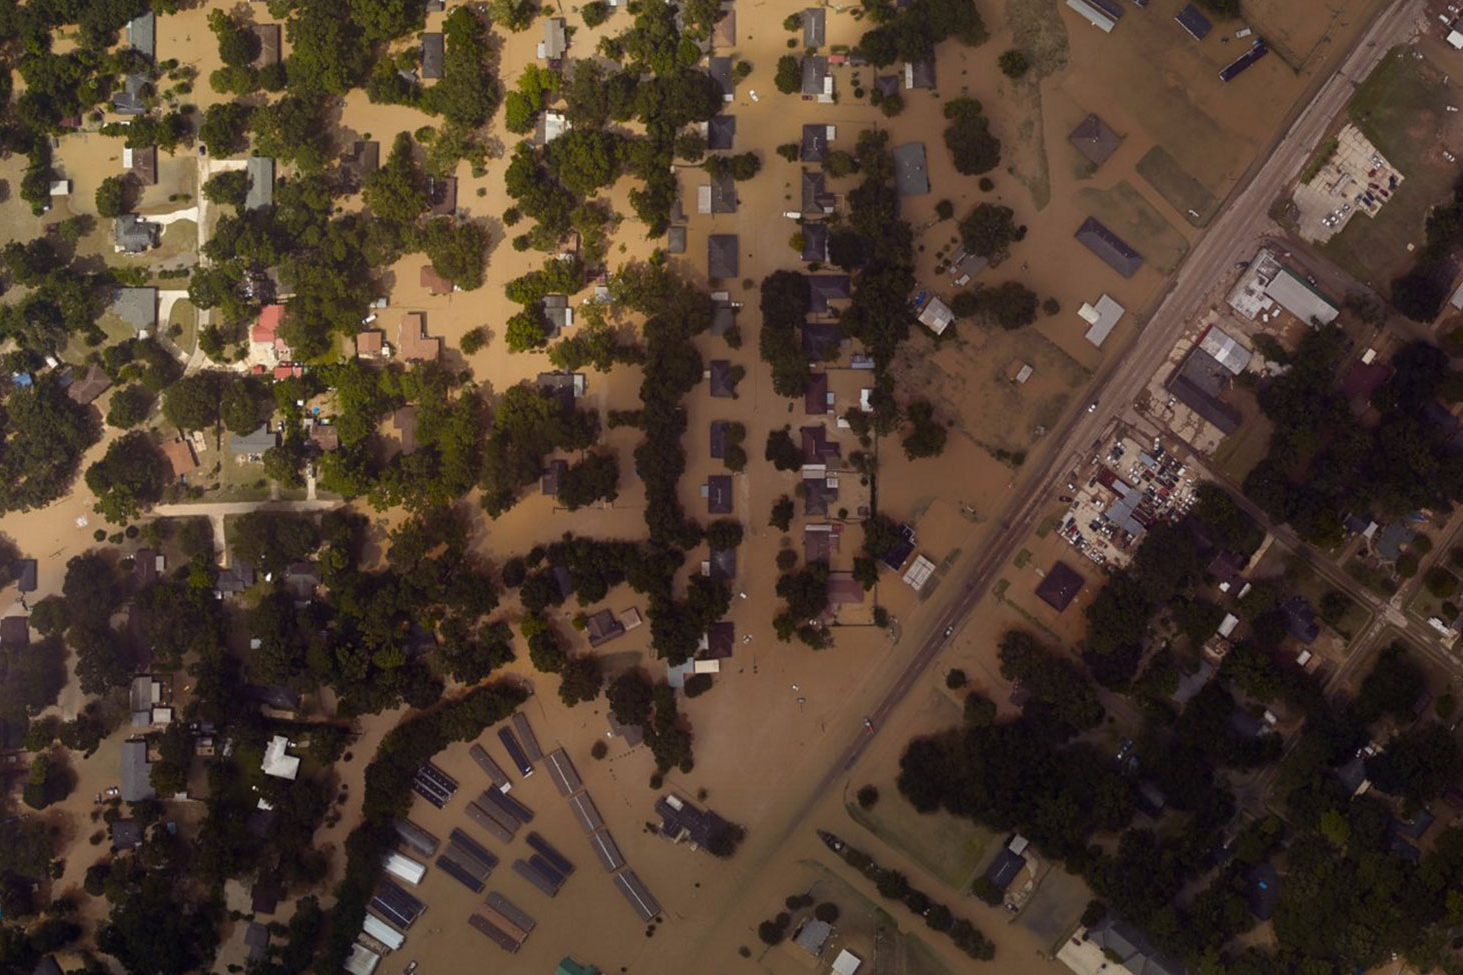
point(1101, 319)
point(1300, 299)
point(1093, 15)
point(1191, 20)
point(911, 176)
point(434, 49)
point(278, 762)
point(136, 778)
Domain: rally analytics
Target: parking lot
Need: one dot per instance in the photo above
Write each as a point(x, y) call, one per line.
point(1356, 179)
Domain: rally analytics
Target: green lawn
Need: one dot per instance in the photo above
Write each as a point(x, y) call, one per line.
point(1174, 183)
point(947, 846)
point(1126, 213)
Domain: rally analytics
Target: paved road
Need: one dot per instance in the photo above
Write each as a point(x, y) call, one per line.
point(1231, 238)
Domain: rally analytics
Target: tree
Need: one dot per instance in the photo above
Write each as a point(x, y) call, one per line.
point(49, 782)
point(867, 796)
point(192, 403)
point(927, 438)
point(594, 13)
point(458, 251)
point(580, 680)
point(782, 512)
point(397, 191)
point(1014, 64)
point(113, 198)
point(596, 477)
point(229, 188)
point(225, 128)
point(129, 478)
point(1391, 687)
point(130, 406)
point(989, 230)
point(789, 78)
point(969, 139)
point(270, 541)
point(784, 454)
point(631, 697)
point(246, 403)
point(1009, 304)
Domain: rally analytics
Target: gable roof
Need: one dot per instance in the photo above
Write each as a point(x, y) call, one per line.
point(1191, 20)
point(129, 99)
point(179, 454)
point(235, 578)
point(820, 340)
point(675, 240)
point(721, 256)
point(719, 494)
point(815, 400)
point(815, 27)
point(268, 35)
point(556, 42)
point(817, 448)
point(144, 165)
point(719, 430)
point(815, 75)
point(261, 183)
point(723, 563)
point(1004, 868)
point(364, 159)
point(823, 288)
point(910, 174)
point(433, 50)
point(553, 474)
point(1108, 246)
point(721, 639)
point(142, 34)
point(720, 70)
point(920, 74)
point(256, 442)
point(15, 632)
point(370, 342)
point(136, 781)
point(724, 34)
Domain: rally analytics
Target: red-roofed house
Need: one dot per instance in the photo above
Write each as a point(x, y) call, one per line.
point(434, 282)
point(413, 340)
point(264, 336)
point(371, 344)
point(286, 370)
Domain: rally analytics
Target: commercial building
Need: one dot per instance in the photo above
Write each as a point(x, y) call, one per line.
point(911, 175)
point(1101, 319)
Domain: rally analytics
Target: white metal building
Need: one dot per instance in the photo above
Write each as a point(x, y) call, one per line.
point(1102, 318)
point(383, 932)
point(1226, 349)
point(1300, 299)
point(362, 960)
point(405, 868)
point(279, 763)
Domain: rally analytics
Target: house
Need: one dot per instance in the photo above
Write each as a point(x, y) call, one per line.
point(817, 82)
point(563, 581)
point(847, 963)
point(1300, 619)
point(1416, 827)
point(268, 37)
point(261, 183)
point(15, 632)
point(142, 35)
point(1259, 50)
point(93, 383)
point(679, 820)
point(920, 74)
point(1194, 22)
point(911, 177)
point(1006, 867)
point(812, 936)
point(887, 85)
point(821, 341)
point(1060, 586)
point(433, 51)
point(632, 733)
point(126, 834)
point(675, 240)
point(365, 159)
point(404, 422)
point(277, 761)
point(442, 195)
point(1094, 139)
point(134, 235)
point(253, 444)
point(301, 580)
point(142, 164)
point(896, 556)
point(723, 313)
point(821, 541)
point(1132, 949)
point(815, 242)
point(568, 966)
point(264, 897)
point(278, 697)
point(563, 386)
point(816, 399)
point(823, 288)
point(370, 344)
point(325, 436)
point(136, 307)
point(560, 314)
point(815, 142)
point(48, 966)
point(724, 33)
point(718, 494)
point(25, 574)
point(602, 627)
point(936, 315)
point(819, 493)
point(720, 70)
point(256, 939)
point(1101, 319)
point(1391, 540)
point(413, 341)
point(434, 282)
point(234, 579)
point(556, 40)
point(1108, 246)
point(723, 386)
point(723, 563)
point(721, 639)
point(1192, 682)
point(1226, 349)
point(721, 256)
point(815, 27)
point(553, 476)
point(818, 449)
point(721, 132)
point(816, 198)
point(132, 98)
point(264, 337)
point(719, 430)
point(136, 779)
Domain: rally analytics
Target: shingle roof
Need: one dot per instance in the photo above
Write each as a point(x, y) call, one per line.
point(433, 49)
point(1111, 248)
point(137, 307)
point(815, 242)
point(722, 386)
point(261, 183)
point(815, 143)
point(815, 24)
point(723, 194)
point(910, 174)
point(720, 70)
point(721, 256)
point(816, 198)
point(719, 494)
point(1094, 139)
point(134, 234)
point(721, 132)
point(1060, 586)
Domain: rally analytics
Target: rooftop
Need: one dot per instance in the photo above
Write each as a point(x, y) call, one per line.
point(136, 307)
point(721, 256)
point(1101, 318)
point(719, 494)
point(722, 384)
point(136, 780)
point(1095, 140)
point(720, 70)
point(920, 74)
point(442, 193)
point(253, 443)
point(1060, 586)
point(261, 183)
point(413, 341)
point(815, 25)
point(721, 132)
point(816, 198)
point(433, 50)
point(135, 235)
point(1191, 20)
point(1109, 247)
point(910, 174)
point(812, 936)
point(434, 282)
point(815, 142)
point(815, 242)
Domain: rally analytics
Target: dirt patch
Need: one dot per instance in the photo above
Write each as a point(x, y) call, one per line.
point(1183, 192)
point(1128, 214)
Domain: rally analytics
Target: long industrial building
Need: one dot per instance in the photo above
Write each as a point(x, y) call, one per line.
point(562, 771)
point(584, 811)
point(525, 733)
point(415, 837)
point(509, 910)
point(640, 899)
point(494, 770)
point(606, 850)
point(495, 934)
point(493, 821)
point(394, 904)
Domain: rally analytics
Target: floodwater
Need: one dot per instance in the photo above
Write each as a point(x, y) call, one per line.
point(779, 714)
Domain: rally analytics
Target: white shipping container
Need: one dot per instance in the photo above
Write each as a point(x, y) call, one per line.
point(405, 868)
point(383, 932)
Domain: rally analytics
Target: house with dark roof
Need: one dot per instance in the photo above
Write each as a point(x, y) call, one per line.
point(920, 74)
point(434, 49)
point(180, 457)
point(602, 627)
point(1300, 619)
point(131, 99)
point(1416, 827)
point(15, 632)
point(1391, 540)
point(1006, 867)
point(815, 141)
point(721, 132)
point(136, 307)
point(1132, 949)
point(261, 183)
point(126, 834)
point(721, 256)
point(724, 34)
point(723, 193)
point(718, 438)
point(143, 165)
point(898, 554)
point(718, 493)
point(675, 240)
point(815, 27)
point(563, 581)
point(816, 198)
point(911, 176)
point(721, 639)
point(268, 36)
point(887, 84)
point(815, 400)
point(1191, 20)
point(255, 443)
point(1060, 586)
point(1198, 383)
point(1108, 246)
point(815, 242)
point(553, 476)
point(679, 820)
point(25, 574)
point(1094, 139)
point(819, 495)
point(1262, 890)
point(823, 288)
point(134, 235)
point(365, 159)
point(93, 383)
point(720, 70)
point(234, 579)
point(301, 580)
point(265, 896)
point(723, 386)
point(280, 697)
point(816, 79)
point(136, 777)
point(256, 939)
point(818, 449)
point(722, 563)
point(48, 966)
point(442, 194)
point(821, 341)
point(563, 386)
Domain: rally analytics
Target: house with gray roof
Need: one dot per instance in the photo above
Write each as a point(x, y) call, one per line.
point(261, 183)
point(815, 242)
point(134, 235)
point(234, 579)
point(722, 384)
point(253, 443)
point(723, 563)
point(920, 74)
point(1095, 140)
point(823, 288)
point(718, 491)
point(723, 194)
point(137, 307)
point(910, 173)
point(815, 27)
point(131, 99)
point(815, 142)
point(434, 51)
point(1132, 949)
point(816, 198)
point(720, 70)
point(816, 79)
point(556, 40)
point(812, 936)
point(136, 778)
point(1108, 246)
point(721, 132)
point(142, 34)
point(721, 256)
point(675, 240)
